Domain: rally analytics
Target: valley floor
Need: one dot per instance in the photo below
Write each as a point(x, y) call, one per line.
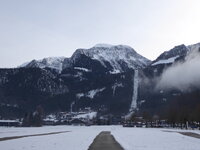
point(81, 137)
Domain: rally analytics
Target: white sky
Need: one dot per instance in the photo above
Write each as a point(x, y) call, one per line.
point(34, 29)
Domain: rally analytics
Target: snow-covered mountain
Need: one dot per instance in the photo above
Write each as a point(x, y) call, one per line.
point(118, 57)
point(50, 62)
point(168, 57)
point(104, 77)
point(115, 58)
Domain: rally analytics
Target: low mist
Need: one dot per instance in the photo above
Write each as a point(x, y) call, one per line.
point(182, 76)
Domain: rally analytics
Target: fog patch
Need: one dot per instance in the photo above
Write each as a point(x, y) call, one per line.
point(182, 76)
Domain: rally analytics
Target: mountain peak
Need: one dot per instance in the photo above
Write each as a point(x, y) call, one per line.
point(103, 45)
point(119, 57)
point(176, 51)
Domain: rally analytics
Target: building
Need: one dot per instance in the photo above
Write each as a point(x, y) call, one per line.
point(77, 122)
point(9, 123)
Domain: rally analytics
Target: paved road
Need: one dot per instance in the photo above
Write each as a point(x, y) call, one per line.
point(105, 141)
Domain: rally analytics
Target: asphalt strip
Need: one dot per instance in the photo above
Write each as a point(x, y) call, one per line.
point(105, 141)
point(23, 136)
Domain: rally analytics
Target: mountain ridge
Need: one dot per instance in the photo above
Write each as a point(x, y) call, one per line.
point(115, 55)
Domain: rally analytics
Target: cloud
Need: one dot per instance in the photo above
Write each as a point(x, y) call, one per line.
point(182, 76)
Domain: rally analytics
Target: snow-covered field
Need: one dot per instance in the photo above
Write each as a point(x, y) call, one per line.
point(80, 137)
point(154, 139)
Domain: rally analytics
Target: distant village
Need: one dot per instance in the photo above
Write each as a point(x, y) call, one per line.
point(88, 117)
point(84, 117)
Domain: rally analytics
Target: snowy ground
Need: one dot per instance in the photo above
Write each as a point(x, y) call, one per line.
point(154, 139)
point(79, 138)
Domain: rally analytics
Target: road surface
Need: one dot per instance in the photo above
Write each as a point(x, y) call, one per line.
point(105, 141)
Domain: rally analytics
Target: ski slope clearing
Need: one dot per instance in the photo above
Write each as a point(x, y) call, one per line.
point(81, 137)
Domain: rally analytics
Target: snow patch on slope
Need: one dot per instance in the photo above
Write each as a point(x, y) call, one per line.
point(82, 69)
point(115, 86)
point(90, 94)
point(165, 61)
point(114, 71)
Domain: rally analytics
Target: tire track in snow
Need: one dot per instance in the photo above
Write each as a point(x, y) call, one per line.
point(23, 136)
